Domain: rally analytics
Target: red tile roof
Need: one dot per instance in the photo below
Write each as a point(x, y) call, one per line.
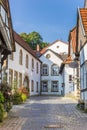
point(25, 45)
point(68, 60)
point(72, 40)
point(83, 13)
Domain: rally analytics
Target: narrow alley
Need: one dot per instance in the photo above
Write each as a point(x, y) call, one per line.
point(46, 113)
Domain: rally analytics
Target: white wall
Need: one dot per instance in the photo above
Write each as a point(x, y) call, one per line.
point(59, 47)
point(69, 86)
point(15, 66)
point(83, 71)
point(52, 60)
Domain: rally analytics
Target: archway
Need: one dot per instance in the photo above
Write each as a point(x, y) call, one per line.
point(26, 82)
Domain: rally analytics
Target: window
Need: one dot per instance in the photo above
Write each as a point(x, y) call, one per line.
point(10, 77)
point(48, 56)
point(20, 79)
point(70, 78)
point(80, 44)
point(44, 70)
point(37, 67)
point(32, 85)
point(54, 70)
point(36, 86)
point(11, 56)
point(15, 78)
point(20, 57)
point(54, 86)
point(44, 86)
point(26, 61)
point(4, 16)
point(57, 46)
point(32, 63)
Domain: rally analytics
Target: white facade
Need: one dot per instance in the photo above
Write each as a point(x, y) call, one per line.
point(59, 47)
point(69, 81)
point(26, 72)
point(51, 80)
point(83, 70)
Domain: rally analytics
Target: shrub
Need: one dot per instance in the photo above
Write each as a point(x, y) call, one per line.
point(1, 112)
point(1, 97)
point(6, 90)
point(24, 97)
point(17, 98)
point(24, 90)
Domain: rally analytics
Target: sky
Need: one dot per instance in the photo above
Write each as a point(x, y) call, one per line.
point(53, 19)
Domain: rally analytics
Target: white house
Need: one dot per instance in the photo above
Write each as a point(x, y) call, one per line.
point(52, 56)
point(23, 67)
point(68, 70)
point(82, 50)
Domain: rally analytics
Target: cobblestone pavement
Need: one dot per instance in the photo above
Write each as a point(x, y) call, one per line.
point(46, 113)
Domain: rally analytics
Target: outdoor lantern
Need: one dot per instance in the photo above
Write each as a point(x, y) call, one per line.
point(73, 64)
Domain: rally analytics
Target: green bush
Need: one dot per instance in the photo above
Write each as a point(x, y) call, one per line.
point(24, 90)
point(1, 112)
point(1, 97)
point(17, 98)
point(24, 97)
point(6, 90)
point(8, 106)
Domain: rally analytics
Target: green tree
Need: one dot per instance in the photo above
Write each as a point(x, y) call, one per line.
point(43, 44)
point(33, 39)
point(24, 36)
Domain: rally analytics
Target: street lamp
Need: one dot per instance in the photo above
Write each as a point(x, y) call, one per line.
point(74, 64)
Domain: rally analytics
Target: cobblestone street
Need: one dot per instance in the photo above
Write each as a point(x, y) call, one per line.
point(46, 113)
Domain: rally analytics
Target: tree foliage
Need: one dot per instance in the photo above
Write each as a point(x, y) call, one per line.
point(33, 39)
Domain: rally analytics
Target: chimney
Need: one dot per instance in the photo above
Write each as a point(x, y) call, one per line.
point(85, 4)
point(38, 48)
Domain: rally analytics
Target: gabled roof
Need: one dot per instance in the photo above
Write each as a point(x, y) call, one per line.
point(23, 44)
point(68, 60)
point(44, 49)
point(62, 56)
point(83, 13)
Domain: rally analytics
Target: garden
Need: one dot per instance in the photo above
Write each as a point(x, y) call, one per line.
point(9, 97)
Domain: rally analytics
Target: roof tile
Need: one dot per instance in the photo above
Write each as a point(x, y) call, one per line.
point(22, 43)
point(83, 13)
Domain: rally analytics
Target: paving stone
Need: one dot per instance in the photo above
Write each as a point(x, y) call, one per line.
point(39, 112)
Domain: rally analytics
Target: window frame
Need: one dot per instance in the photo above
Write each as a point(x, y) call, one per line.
point(53, 70)
point(27, 60)
point(44, 88)
point(37, 67)
point(53, 86)
point(32, 85)
point(45, 70)
point(20, 57)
